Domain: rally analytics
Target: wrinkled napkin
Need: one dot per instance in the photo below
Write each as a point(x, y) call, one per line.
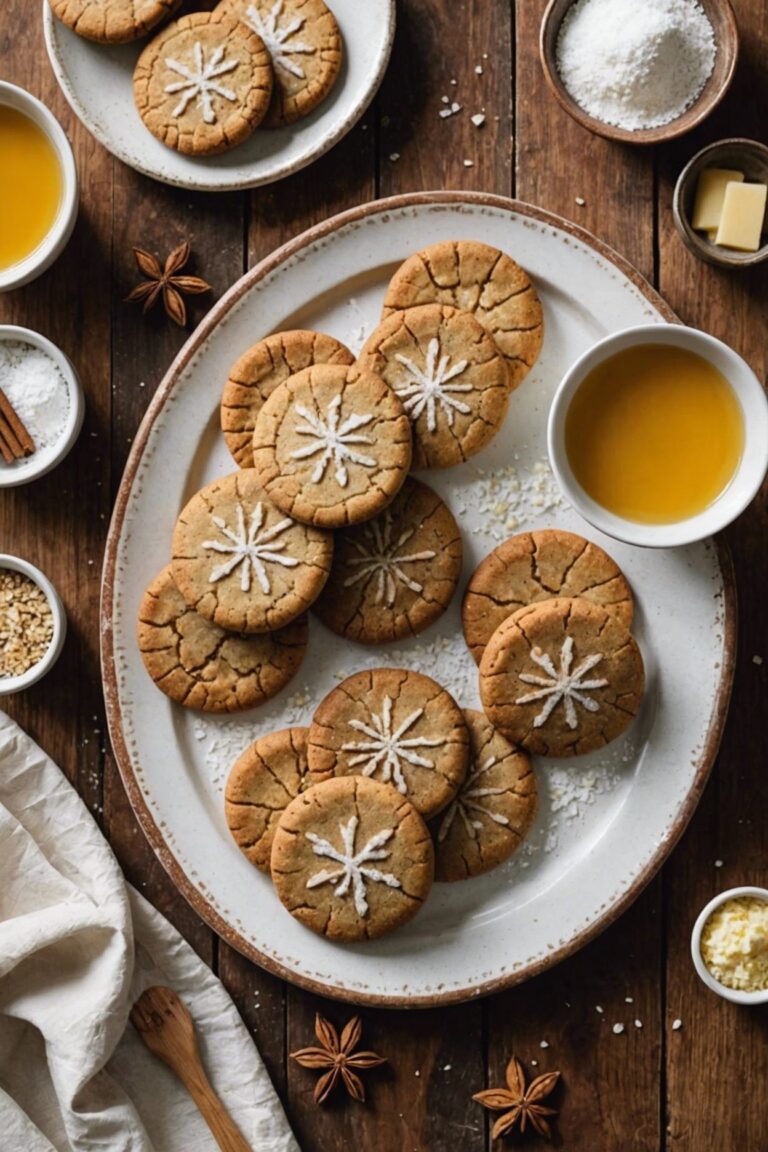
point(78, 946)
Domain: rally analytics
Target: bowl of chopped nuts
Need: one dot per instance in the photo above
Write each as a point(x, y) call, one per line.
point(33, 624)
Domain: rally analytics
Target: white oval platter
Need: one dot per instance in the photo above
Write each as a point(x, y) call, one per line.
point(98, 83)
point(606, 821)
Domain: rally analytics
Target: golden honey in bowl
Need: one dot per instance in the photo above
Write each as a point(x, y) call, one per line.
point(654, 434)
point(31, 186)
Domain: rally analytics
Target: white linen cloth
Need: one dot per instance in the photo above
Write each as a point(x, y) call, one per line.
point(77, 947)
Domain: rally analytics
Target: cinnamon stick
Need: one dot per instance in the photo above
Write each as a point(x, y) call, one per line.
point(5, 451)
point(10, 438)
point(18, 428)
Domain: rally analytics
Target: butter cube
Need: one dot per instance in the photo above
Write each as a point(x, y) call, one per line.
point(710, 191)
point(741, 223)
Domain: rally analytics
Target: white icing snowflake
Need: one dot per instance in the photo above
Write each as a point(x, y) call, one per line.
point(468, 802)
point(430, 386)
point(563, 685)
point(379, 557)
point(275, 38)
point(355, 866)
point(251, 547)
point(386, 749)
point(199, 82)
point(333, 440)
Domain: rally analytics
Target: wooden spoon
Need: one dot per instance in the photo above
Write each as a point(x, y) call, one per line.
point(166, 1028)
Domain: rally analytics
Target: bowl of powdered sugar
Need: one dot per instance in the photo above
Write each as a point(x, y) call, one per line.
point(41, 405)
point(639, 71)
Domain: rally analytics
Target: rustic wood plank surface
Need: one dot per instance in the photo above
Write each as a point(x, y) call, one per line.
point(694, 1088)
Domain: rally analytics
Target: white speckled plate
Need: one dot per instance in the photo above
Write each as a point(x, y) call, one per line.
point(606, 821)
point(98, 83)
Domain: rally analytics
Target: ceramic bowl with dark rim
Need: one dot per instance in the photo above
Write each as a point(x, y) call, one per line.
point(720, 15)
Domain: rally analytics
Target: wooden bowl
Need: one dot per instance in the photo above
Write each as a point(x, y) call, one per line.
point(747, 156)
point(723, 23)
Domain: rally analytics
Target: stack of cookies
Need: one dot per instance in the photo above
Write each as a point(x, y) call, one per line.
point(207, 80)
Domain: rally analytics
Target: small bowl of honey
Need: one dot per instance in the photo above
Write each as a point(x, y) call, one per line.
point(658, 435)
point(39, 197)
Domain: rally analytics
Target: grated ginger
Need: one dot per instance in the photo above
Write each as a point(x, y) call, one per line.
point(734, 944)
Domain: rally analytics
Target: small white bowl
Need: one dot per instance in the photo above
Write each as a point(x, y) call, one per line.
point(749, 474)
point(11, 684)
point(44, 459)
point(55, 242)
point(733, 994)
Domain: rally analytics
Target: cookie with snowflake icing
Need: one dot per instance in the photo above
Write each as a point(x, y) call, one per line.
point(203, 84)
point(535, 566)
point(113, 21)
point(562, 677)
point(493, 810)
point(199, 665)
point(394, 575)
point(330, 448)
point(304, 42)
point(399, 727)
point(255, 375)
point(449, 375)
point(352, 859)
point(241, 562)
point(478, 279)
point(263, 781)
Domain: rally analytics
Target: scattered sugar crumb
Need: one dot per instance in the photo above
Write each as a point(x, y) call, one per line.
point(598, 1008)
point(445, 99)
point(469, 163)
point(447, 1067)
point(544, 1044)
point(676, 1025)
point(618, 1029)
point(638, 1023)
point(580, 201)
point(394, 157)
point(479, 69)
point(478, 119)
point(757, 659)
point(628, 1000)
point(718, 863)
point(535, 1063)
point(417, 1072)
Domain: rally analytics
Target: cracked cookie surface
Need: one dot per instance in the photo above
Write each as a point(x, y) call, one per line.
point(331, 450)
point(264, 780)
point(352, 859)
point(562, 677)
point(396, 574)
point(241, 562)
point(449, 374)
point(479, 279)
point(494, 809)
point(399, 727)
point(255, 375)
point(536, 566)
point(201, 666)
point(113, 21)
point(203, 84)
point(305, 46)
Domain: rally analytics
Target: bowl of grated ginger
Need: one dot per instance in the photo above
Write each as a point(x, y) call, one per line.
point(729, 945)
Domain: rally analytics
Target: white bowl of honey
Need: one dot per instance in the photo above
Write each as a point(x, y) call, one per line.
point(39, 187)
point(658, 435)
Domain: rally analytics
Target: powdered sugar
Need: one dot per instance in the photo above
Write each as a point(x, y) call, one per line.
point(37, 389)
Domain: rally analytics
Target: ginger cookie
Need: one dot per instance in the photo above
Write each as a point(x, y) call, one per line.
point(113, 21)
point(242, 563)
point(201, 666)
point(264, 780)
point(450, 376)
point(562, 677)
point(332, 450)
point(254, 377)
point(535, 566)
point(396, 726)
point(352, 859)
point(203, 84)
point(396, 574)
point(304, 42)
point(494, 809)
point(478, 279)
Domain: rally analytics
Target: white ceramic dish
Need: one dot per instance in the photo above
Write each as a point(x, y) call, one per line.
point(11, 684)
point(606, 821)
point(61, 230)
point(748, 477)
point(98, 83)
point(44, 459)
point(733, 994)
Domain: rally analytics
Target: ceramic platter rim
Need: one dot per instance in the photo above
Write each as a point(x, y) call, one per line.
point(701, 747)
point(369, 31)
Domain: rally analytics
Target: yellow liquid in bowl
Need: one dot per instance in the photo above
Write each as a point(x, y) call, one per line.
point(31, 186)
point(654, 434)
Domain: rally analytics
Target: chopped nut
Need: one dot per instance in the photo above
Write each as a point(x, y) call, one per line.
point(26, 624)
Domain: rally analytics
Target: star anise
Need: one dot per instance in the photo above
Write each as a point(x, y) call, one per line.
point(519, 1104)
point(339, 1057)
point(164, 280)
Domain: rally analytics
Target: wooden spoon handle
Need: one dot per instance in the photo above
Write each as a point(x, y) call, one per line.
point(226, 1133)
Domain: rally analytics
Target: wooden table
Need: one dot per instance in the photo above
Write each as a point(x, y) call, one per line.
point(699, 1087)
